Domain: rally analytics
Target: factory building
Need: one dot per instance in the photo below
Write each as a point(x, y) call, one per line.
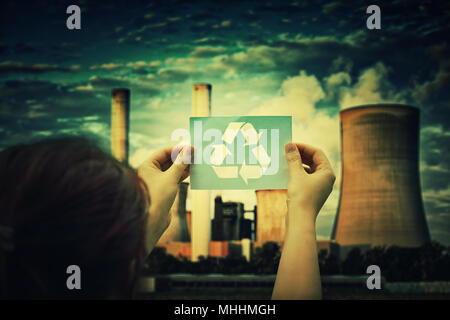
point(380, 201)
point(229, 222)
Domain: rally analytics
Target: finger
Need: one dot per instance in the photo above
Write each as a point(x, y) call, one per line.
point(161, 159)
point(307, 168)
point(294, 159)
point(314, 157)
point(185, 174)
point(187, 171)
point(179, 168)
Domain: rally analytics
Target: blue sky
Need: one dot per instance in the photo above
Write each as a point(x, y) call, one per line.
point(299, 58)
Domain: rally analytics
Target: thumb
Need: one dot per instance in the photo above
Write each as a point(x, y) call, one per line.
point(183, 160)
point(294, 159)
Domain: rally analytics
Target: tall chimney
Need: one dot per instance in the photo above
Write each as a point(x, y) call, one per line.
point(201, 221)
point(120, 112)
point(217, 223)
point(380, 202)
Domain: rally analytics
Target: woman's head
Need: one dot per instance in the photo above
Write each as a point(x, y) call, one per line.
point(69, 203)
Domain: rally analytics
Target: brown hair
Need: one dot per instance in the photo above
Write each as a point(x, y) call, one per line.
point(69, 203)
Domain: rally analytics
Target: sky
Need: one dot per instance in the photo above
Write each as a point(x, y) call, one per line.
point(300, 58)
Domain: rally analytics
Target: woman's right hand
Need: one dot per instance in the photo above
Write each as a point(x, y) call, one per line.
point(309, 186)
point(298, 275)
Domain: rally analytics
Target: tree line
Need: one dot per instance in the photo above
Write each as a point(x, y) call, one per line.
point(430, 262)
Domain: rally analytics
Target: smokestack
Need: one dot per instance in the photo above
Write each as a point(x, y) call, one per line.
point(380, 201)
point(271, 217)
point(178, 228)
point(246, 245)
point(120, 111)
point(217, 223)
point(201, 221)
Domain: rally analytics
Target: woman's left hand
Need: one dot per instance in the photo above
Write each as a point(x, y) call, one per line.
point(162, 177)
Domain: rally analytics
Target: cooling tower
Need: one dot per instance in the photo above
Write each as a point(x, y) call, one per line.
point(380, 202)
point(178, 228)
point(120, 110)
point(201, 220)
point(271, 216)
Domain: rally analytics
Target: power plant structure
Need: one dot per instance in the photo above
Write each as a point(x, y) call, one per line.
point(229, 223)
point(178, 228)
point(120, 119)
point(271, 217)
point(201, 220)
point(380, 202)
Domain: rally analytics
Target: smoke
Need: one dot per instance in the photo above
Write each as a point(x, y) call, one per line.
point(298, 97)
point(334, 82)
point(372, 87)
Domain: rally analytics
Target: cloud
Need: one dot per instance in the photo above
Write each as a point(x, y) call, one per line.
point(341, 64)
point(287, 54)
point(108, 83)
point(435, 140)
point(334, 82)
point(139, 85)
point(322, 131)
point(20, 67)
point(437, 208)
point(144, 64)
point(372, 87)
point(439, 200)
point(138, 67)
point(206, 52)
point(330, 8)
point(223, 24)
point(208, 41)
point(106, 66)
point(174, 75)
point(298, 97)
point(21, 99)
point(31, 110)
point(427, 89)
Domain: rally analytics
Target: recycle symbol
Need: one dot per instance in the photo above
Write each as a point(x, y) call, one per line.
point(221, 151)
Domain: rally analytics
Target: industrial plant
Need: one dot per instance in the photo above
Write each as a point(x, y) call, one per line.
point(380, 200)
